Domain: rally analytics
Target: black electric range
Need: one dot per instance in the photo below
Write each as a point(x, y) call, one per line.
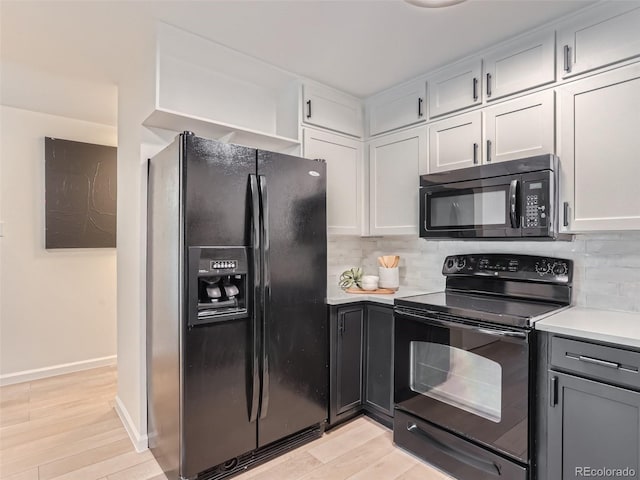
point(512, 290)
point(464, 363)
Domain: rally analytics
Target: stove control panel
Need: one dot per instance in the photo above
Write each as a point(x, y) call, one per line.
point(510, 267)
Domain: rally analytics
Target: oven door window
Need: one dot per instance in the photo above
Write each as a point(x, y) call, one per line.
point(468, 209)
point(457, 377)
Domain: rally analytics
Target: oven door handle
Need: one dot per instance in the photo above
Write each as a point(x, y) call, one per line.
point(478, 463)
point(501, 333)
point(486, 331)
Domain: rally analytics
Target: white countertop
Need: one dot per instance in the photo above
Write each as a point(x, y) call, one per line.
point(601, 325)
point(336, 296)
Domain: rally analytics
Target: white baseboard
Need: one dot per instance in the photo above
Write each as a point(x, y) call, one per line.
point(38, 373)
point(140, 442)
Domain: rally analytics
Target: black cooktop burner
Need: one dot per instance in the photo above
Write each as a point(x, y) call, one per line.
point(506, 289)
point(487, 308)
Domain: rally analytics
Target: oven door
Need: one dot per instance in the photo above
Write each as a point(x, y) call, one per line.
point(480, 208)
point(471, 380)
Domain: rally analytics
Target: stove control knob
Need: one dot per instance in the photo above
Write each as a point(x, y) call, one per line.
point(449, 263)
point(560, 268)
point(461, 263)
point(541, 268)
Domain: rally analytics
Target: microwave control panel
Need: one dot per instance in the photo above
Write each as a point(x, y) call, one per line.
point(536, 204)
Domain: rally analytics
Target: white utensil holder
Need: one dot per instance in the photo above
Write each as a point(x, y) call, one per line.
point(389, 277)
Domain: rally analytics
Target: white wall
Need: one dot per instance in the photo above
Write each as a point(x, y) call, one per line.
point(57, 306)
point(135, 144)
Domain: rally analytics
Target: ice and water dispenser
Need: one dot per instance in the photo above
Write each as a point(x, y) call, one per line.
point(218, 277)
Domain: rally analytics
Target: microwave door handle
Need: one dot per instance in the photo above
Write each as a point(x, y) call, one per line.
point(513, 203)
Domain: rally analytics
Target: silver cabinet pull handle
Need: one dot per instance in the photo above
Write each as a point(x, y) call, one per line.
point(553, 391)
point(597, 361)
point(567, 60)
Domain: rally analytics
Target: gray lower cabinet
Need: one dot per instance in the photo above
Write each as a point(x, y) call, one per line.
point(361, 362)
point(346, 372)
point(593, 426)
point(378, 392)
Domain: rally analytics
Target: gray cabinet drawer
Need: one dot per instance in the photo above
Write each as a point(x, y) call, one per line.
point(611, 364)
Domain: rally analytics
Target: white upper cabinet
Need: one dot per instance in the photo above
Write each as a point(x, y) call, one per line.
point(455, 142)
point(598, 150)
point(395, 163)
point(397, 108)
point(455, 88)
point(600, 36)
point(345, 179)
point(330, 109)
point(520, 65)
point(219, 93)
point(520, 128)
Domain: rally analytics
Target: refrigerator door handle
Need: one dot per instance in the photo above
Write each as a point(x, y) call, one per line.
point(266, 295)
point(255, 315)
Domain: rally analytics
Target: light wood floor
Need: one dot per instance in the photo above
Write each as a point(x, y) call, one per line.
point(65, 428)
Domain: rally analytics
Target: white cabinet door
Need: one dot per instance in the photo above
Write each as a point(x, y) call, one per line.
point(520, 128)
point(397, 108)
point(455, 88)
point(345, 179)
point(395, 163)
point(455, 142)
point(599, 150)
point(520, 65)
point(330, 109)
point(600, 36)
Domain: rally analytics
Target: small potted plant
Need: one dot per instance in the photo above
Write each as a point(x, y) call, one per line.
point(351, 278)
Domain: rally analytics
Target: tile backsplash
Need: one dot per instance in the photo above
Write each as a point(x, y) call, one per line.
point(606, 265)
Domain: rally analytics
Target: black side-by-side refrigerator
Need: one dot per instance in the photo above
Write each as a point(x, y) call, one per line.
point(237, 338)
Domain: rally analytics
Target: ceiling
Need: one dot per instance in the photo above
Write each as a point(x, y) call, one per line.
point(358, 46)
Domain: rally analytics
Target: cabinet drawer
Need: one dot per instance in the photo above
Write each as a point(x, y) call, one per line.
point(450, 453)
point(614, 365)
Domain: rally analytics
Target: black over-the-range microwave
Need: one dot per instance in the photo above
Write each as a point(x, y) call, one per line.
point(509, 200)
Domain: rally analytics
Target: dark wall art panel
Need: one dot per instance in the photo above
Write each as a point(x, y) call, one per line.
point(80, 183)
